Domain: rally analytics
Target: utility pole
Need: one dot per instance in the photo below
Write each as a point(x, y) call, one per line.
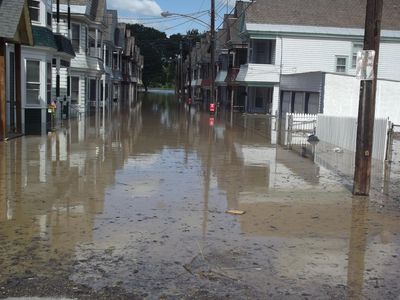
point(366, 110)
point(213, 100)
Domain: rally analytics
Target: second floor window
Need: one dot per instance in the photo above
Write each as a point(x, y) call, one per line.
point(34, 10)
point(341, 64)
point(356, 47)
point(76, 37)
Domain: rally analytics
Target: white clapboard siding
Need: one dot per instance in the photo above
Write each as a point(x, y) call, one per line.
point(318, 54)
point(63, 82)
point(313, 54)
point(342, 132)
point(62, 26)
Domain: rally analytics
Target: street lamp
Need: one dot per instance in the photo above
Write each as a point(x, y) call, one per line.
point(211, 26)
point(167, 14)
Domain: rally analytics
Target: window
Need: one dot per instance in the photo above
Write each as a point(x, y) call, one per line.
point(64, 64)
point(341, 64)
point(74, 90)
point(356, 48)
point(48, 82)
point(262, 51)
point(32, 82)
point(92, 90)
point(49, 19)
point(76, 37)
point(34, 10)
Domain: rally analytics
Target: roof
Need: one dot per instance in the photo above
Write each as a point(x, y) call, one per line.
point(338, 13)
point(43, 37)
point(10, 16)
point(94, 9)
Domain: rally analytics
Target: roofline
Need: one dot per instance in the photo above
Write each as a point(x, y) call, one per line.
point(273, 30)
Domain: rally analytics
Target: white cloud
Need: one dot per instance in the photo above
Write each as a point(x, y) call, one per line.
point(138, 7)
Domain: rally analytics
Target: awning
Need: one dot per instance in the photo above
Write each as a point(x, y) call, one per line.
point(221, 76)
point(258, 74)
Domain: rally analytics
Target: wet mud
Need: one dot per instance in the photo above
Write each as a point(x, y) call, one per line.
point(133, 205)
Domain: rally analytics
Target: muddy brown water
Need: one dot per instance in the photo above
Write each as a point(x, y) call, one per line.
point(132, 206)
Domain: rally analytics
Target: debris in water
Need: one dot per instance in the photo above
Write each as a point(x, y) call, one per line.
point(337, 150)
point(235, 212)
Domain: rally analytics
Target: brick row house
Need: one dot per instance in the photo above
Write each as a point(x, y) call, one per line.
point(59, 59)
point(263, 41)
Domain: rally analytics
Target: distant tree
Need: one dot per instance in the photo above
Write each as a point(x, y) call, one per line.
point(151, 43)
point(160, 52)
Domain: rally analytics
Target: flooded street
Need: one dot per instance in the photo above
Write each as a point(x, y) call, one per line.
point(136, 209)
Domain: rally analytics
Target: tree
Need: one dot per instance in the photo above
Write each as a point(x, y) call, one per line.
point(160, 52)
point(151, 46)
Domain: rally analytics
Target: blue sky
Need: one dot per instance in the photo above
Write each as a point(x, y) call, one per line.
point(148, 12)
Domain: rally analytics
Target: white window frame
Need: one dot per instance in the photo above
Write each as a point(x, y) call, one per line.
point(355, 48)
point(337, 57)
point(36, 8)
point(39, 83)
point(79, 90)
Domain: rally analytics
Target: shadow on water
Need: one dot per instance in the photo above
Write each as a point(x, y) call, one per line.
point(133, 204)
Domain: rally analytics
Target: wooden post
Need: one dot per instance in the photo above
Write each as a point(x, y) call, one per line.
point(213, 100)
point(3, 124)
point(366, 111)
point(18, 92)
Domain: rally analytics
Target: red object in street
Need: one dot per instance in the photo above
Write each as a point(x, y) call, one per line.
point(189, 102)
point(212, 107)
point(211, 121)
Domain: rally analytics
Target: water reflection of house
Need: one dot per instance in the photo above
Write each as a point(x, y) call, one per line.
point(67, 180)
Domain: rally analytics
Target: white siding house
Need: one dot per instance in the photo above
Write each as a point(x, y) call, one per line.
point(44, 70)
point(296, 37)
point(87, 68)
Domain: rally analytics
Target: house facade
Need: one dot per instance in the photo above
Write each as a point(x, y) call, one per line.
point(15, 30)
point(45, 71)
point(295, 37)
point(264, 40)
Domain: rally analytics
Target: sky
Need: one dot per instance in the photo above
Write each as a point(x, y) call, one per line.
point(147, 12)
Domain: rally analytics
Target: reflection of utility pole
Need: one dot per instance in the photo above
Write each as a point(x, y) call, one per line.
point(358, 243)
point(207, 181)
point(190, 71)
point(182, 82)
point(366, 111)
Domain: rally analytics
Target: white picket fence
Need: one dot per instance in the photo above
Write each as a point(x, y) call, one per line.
point(300, 122)
point(342, 132)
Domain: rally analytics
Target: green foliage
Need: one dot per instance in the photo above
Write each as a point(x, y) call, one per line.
point(160, 53)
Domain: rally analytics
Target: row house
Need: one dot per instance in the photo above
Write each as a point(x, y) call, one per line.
point(265, 40)
point(87, 71)
point(61, 59)
point(132, 63)
point(15, 30)
point(200, 70)
point(44, 68)
point(294, 37)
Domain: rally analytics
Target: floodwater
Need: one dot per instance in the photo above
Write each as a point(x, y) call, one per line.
point(133, 206)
